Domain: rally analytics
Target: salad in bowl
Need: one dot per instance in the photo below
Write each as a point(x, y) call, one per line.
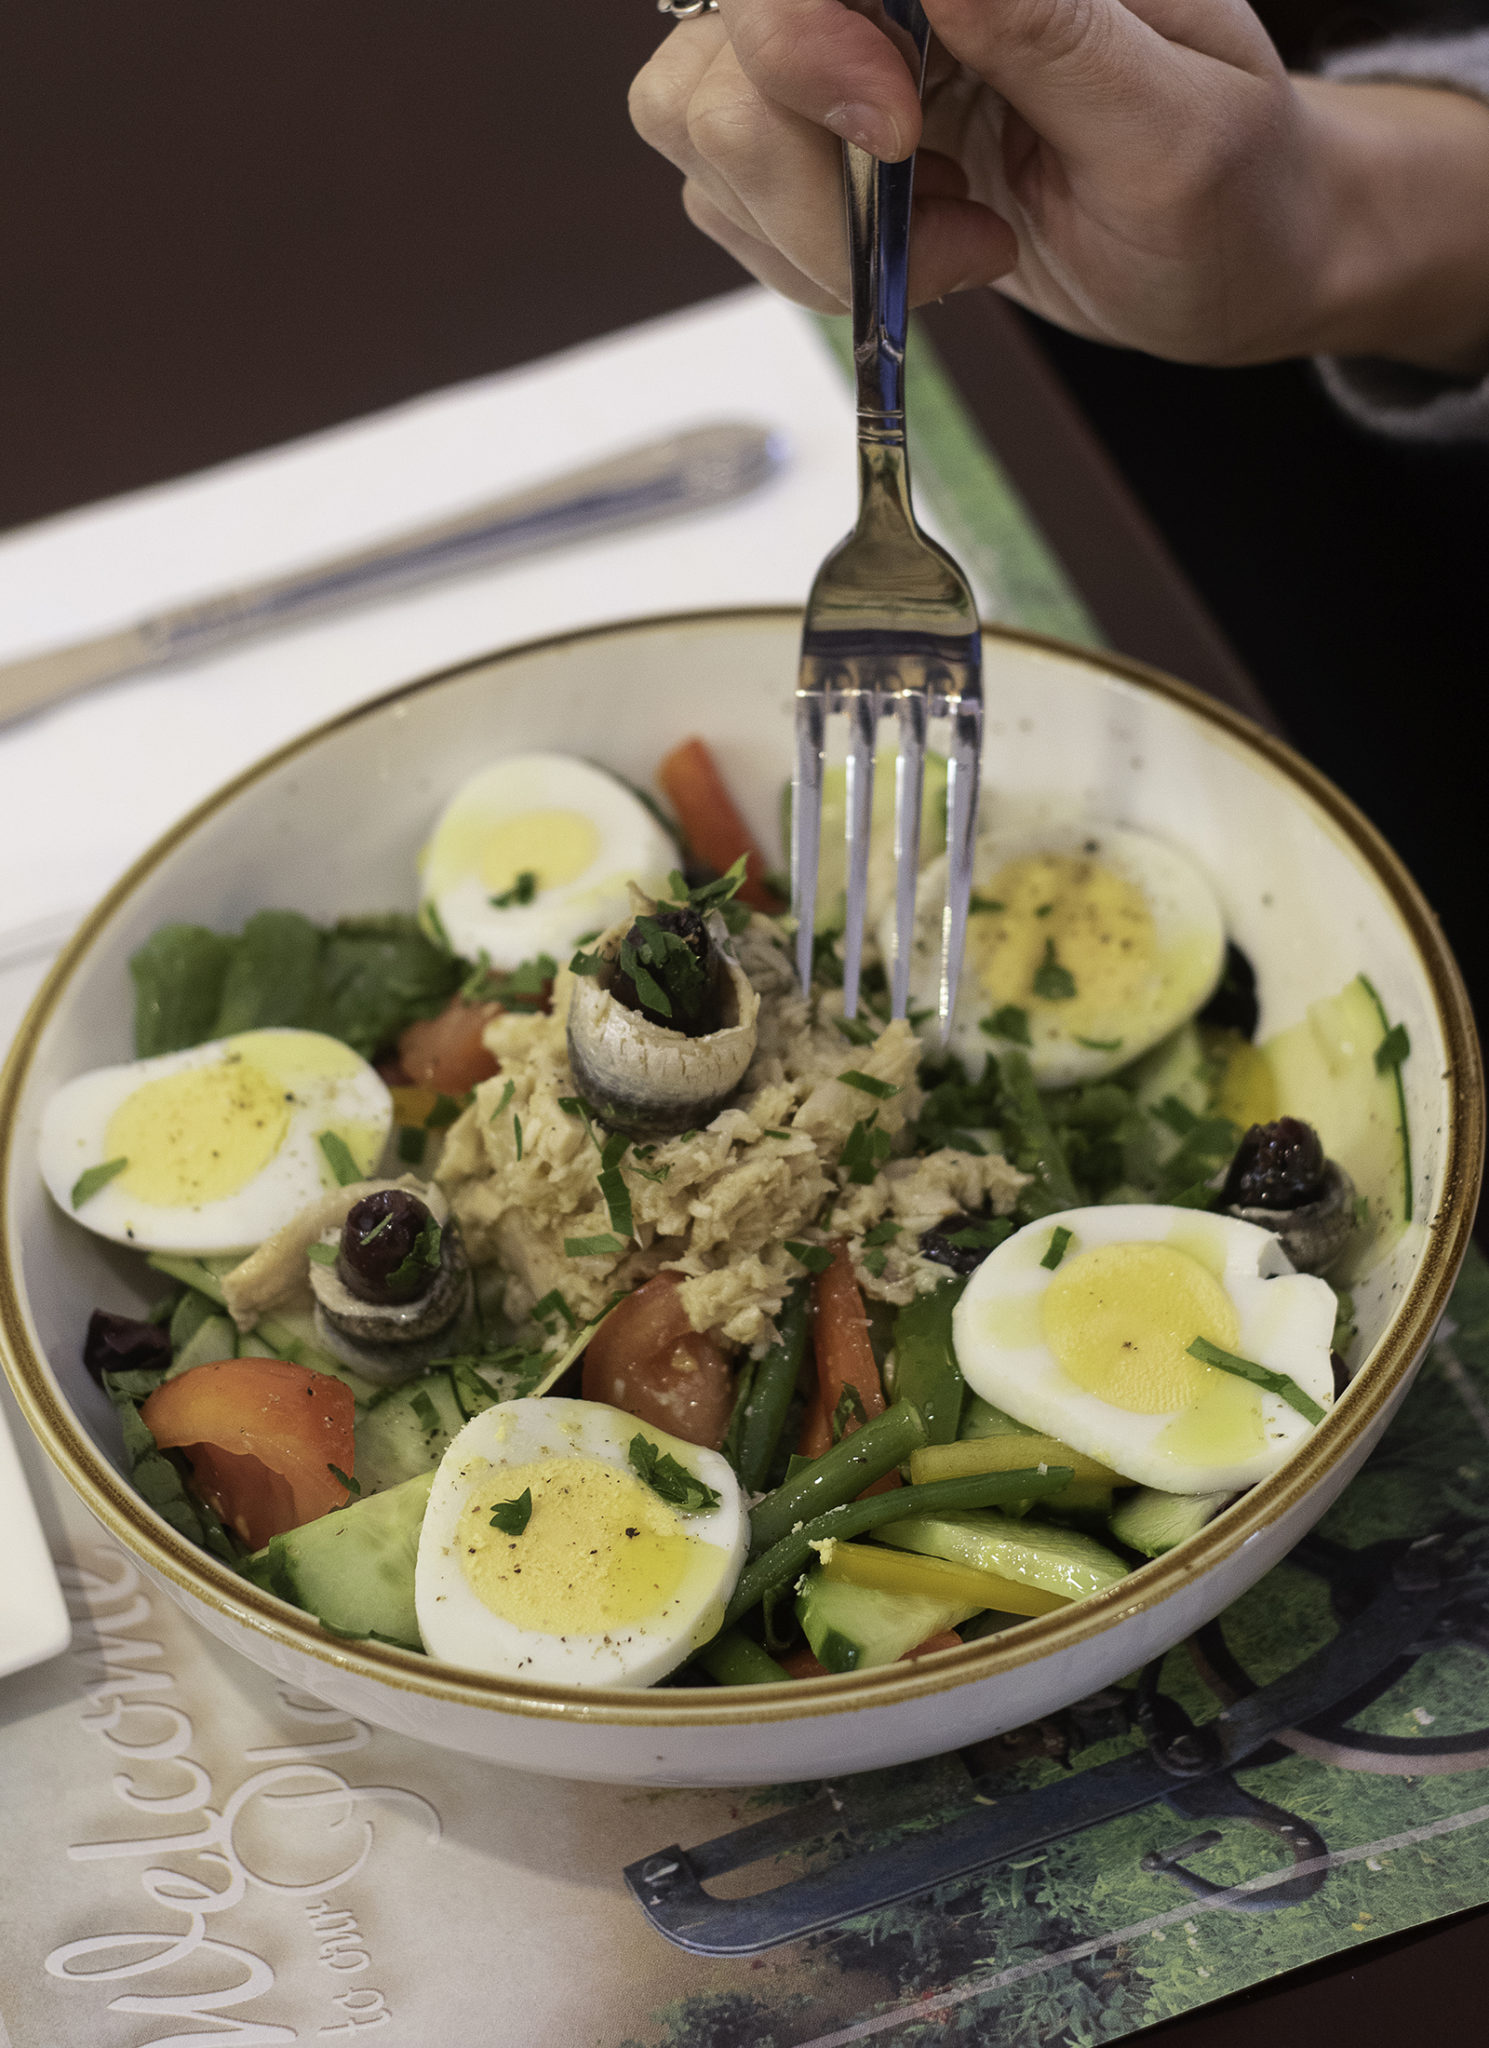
point(530, 1280)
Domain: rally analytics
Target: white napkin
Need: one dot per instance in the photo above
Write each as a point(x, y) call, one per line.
point(84, 787)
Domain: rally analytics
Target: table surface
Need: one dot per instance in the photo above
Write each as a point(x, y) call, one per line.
point(229, 226)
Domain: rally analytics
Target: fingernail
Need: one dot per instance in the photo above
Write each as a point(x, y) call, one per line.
point(868, 129)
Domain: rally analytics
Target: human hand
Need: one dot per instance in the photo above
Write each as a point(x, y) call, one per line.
point(1144, 174)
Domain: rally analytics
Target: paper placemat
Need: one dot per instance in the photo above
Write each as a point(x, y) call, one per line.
point(195, 1853)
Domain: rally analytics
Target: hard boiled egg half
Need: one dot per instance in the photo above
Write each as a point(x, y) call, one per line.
point(534, 852)
point(605, 1582)
point(1080, 1325)
point(1086, 945)
point(212, 1149)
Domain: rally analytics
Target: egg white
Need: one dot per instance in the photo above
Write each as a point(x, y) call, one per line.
point(458, 1625)
point(1285, 1322)
point(321, 1083)
point(1072, 1040)
point(583, 834)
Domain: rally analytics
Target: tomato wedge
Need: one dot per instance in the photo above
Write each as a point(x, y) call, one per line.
point(711, 821)
point(647, 1359)
point(445, 1052)
point(849, 1390)
point(261, 1436)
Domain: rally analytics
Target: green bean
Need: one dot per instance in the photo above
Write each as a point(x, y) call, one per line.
point(774, 1384)
point(774, 1571)
point(851, 1465)
point(925, 1367)
point(732, 1659)
point(1037, 1133)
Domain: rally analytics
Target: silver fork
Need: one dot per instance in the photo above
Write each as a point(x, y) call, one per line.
point(891, 625)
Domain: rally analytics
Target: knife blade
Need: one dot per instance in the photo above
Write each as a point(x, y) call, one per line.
point(685, 472)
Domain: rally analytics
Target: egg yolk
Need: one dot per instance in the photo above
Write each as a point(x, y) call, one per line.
point(600, 1550)
point(1120, 1319)
point(555, 847)
point(1061, 911)
point(198, 1136)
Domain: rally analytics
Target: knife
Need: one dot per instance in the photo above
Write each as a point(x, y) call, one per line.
point(686, 472)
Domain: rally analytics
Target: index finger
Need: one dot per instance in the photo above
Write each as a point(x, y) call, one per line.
point(831, 63)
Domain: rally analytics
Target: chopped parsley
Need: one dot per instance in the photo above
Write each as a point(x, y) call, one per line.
point(867, 1085)
point(982, 1237)
point(849, 1414)
point(522, 890)
point(338, 1158)
point(617, 1195)
point(87, 1184)
point(343, 1478)
point(423, 1256)
point(506, 1096)
point(1052, 983)
point(517, 1134)
point(424, 1411)
point(1099, 1044)
point(1058, 1245)
point(526, 987)
point(857, 1030)
point(864, 1152)
point(1392, 1049)
point(604, 1246)
point(513, 1516)
point(326, 1254)
point(446, 1109)
point(718, 895)
point(553, 1304)
point(1278, 1383)
point(412, 1141)
point(1010, 1022)
point(585, 963)
point(882, 1233)
point(815, 1257)
point(985, 906)
point(669, 1480)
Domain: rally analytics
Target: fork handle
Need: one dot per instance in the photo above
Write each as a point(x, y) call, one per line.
point(878, 203)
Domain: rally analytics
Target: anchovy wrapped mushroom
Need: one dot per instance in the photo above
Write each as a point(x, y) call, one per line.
point(391, 1283)
point(1281, 1179)
point(662, 1027)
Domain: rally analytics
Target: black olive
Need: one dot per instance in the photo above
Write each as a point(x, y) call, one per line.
point(1277, 1166)
point(963, 1242)
point(687, 970)
point(390, 1248)
point(120, 1344)
point(1234, 1007)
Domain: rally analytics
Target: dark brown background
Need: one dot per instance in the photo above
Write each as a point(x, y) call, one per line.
point(223, 225)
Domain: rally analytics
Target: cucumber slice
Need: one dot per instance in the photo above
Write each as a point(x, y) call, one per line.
point(291, 1334)
point(187, 1317)
point(354, 1570)
point(192, 1273)
point(980, 1418)
point(1176, 1067)
point(1060, 1560)
point(853, 1628)
point(1325, 1072)
point(213, 1339)
point(1153, 1522)
point(407, 1430)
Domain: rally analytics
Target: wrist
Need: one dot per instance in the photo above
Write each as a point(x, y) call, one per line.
point(1403, 263)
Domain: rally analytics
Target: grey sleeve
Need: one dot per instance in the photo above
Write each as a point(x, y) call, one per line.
point(1394, 398)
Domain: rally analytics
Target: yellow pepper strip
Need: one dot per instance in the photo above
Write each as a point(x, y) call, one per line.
point(1005, 1454)
point(412, 1105)
point(905, 1571)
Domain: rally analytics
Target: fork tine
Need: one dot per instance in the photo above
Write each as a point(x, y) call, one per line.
point(909, 779)
point(961, 823)
point(806, 819)
point(863, 726)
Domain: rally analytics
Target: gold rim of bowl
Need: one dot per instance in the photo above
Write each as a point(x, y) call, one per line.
point(124, 1514)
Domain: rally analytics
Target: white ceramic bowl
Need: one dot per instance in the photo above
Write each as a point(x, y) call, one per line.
point(331, 825)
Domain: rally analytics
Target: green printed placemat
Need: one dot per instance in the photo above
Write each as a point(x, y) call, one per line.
point(961, 484)
point(1378, 1817)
